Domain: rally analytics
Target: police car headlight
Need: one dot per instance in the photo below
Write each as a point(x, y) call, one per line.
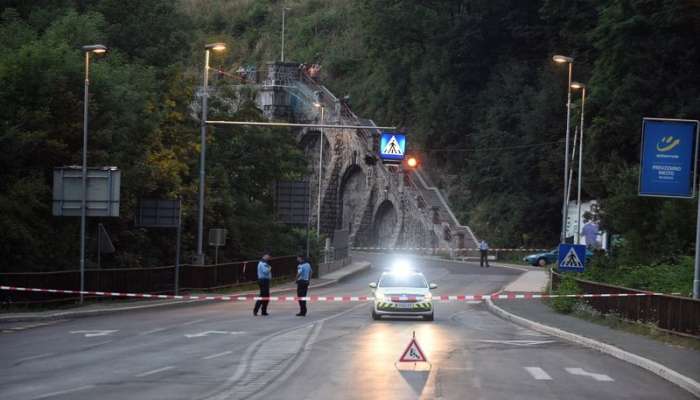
point(379, 297)
point(428, 296)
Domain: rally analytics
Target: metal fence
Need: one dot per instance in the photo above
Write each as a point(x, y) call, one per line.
point(138, 280)
point(673, 313)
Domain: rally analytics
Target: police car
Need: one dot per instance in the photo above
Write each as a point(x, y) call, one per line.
point(402, 293)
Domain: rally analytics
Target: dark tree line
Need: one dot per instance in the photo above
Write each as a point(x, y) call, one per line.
point(471, 81)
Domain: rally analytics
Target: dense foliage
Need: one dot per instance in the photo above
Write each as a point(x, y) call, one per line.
point(141, 120)
point(474, 85)
point(471, 81)
point(663, 278)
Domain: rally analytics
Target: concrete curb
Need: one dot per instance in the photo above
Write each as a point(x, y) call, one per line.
point(178, 303)
point(664, 372)
point(367, 266)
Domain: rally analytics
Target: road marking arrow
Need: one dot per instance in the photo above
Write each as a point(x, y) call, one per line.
point(207, 333)
point(93, 333)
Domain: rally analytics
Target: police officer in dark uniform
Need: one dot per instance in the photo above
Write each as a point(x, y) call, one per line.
point(264, 276)
point(303, 278)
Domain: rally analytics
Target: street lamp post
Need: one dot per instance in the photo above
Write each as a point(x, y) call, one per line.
point(284, 12)
point(578, 85)
point(320, 172)
point(565, 207)
point(97, 49)
point(203, 148)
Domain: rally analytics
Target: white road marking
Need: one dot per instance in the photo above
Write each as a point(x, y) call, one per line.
point(538, 373)
point(229, 388)
point(93, 345)
point(60, 392)
point(93, 333)
point(154, 371)
point(35, 357)
point(582, 372)
point(207, 333)
point(518, 342)
point(153, 331)
point(35, 325)
point(192, 322)
point(225, 353)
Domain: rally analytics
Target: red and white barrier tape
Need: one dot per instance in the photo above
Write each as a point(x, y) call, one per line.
point(466, 297)
point(438, 249)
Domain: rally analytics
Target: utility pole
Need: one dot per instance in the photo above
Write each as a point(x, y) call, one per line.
point(284, 11)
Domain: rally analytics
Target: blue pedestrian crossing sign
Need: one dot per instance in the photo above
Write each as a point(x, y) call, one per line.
point(392, 146)
point(572, 257)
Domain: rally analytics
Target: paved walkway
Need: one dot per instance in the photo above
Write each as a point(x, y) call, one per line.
point(683, 360)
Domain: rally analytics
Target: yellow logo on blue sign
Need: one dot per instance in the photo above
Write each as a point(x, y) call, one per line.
point(667, 143)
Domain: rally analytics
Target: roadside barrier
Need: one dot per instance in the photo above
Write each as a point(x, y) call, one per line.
point(442, 298)
point(440, 249)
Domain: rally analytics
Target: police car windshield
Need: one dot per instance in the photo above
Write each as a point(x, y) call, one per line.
point(412, 281)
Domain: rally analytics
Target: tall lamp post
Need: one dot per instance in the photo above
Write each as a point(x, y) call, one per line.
point(203, 147)
point(97, 49)
point(579, 85)
point(565, 207)
point(320, 172)
point(284, 12)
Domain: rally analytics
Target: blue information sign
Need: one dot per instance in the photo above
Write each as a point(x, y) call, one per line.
point(572, 257)
point(392, 146)
point(669, 154)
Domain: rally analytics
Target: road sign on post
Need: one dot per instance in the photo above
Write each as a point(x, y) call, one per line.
point(572, 257)
point(217, 238)
point(668, 167)
point(392, 147)
point(102, 197)
point(668, 159)
point(160, 213)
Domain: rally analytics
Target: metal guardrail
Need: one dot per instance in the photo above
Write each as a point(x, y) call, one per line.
point(156, 280)
point(672, 313)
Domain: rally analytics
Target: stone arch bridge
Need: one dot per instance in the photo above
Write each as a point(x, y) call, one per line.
point(377, 205)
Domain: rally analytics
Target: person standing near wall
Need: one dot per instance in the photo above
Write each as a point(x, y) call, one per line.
point(303, 278)
point(484, 253)
point(264, 277)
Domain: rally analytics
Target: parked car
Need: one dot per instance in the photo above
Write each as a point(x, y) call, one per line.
point(549, 257)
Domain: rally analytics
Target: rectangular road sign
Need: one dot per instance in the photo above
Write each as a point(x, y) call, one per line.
point(292, 202)
point(102, 197)
point(668, 159)
point(392, 146)
point(158, 213)
point(572, 257)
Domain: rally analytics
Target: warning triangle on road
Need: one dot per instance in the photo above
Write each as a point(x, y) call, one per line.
point(393, 147)
point(413, 353)
point(571, 259)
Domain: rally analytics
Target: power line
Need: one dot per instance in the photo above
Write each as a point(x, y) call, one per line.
point(522, 146)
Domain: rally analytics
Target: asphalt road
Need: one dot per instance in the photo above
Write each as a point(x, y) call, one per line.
point(221, 351)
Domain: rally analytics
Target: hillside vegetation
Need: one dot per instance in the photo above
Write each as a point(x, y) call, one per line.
point(471, 82)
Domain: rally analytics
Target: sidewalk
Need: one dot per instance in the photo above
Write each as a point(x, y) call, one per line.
point(120, 305)
point(681, 360)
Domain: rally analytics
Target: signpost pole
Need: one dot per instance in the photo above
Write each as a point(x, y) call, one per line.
point(696, 279)
point(99, 246)
point(308, 216)
point(177, 247)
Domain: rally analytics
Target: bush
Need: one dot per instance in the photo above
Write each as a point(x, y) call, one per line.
point(668, 277)
point(567, 285)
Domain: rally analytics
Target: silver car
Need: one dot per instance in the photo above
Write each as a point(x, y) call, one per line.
point(402, 294)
